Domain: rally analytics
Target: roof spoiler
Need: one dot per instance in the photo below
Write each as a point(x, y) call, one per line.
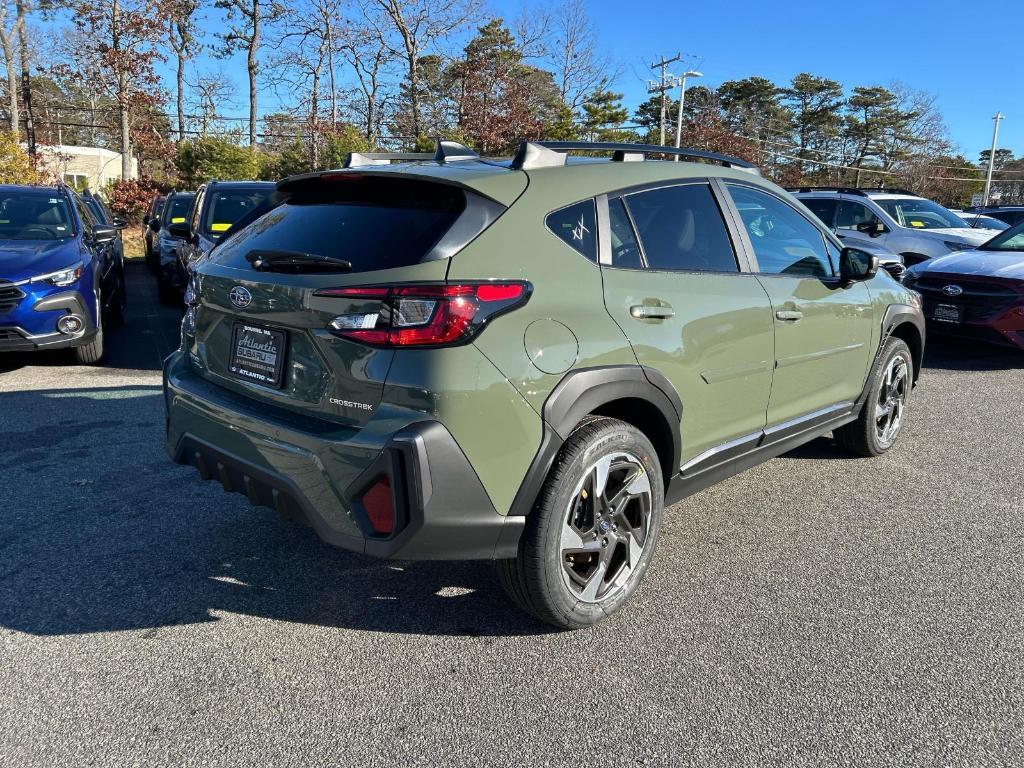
point(552, 154)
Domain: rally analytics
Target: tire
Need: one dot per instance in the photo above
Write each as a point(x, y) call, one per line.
point(613, 547)
point(879, 424)
point(91, 353)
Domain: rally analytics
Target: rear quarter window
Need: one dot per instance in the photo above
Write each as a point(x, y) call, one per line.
point(576, 226)
point(372, 223)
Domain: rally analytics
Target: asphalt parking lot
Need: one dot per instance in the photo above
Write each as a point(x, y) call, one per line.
point(817, 610)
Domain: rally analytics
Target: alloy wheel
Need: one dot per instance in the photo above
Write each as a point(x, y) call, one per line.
point(892, 400)
point(605, 527)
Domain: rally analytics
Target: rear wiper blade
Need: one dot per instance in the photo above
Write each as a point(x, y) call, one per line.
point(296, 261)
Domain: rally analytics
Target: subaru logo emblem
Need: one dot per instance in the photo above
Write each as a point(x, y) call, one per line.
point(240, 297)
point(952, 290)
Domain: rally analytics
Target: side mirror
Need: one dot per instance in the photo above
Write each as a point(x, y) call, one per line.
point(154, 225)
point(872, 228)
point(120, 223)
point(856, 265)
point(146, 219)
point(179, 230)
point(103, 234)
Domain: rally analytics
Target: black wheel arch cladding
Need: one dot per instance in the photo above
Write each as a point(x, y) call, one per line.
point(636, 394)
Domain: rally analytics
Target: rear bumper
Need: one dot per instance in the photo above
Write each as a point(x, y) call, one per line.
point(316, 473)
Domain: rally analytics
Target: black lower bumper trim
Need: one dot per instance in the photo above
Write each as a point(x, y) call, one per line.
point(444, 512)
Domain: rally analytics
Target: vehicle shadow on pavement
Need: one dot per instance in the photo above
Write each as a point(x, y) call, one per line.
point(952, 354)
point(102, 532)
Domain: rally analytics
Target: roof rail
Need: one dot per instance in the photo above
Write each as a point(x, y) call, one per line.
point(891, 191)
point(446, 152)
point(549, 154)
point(846, 190)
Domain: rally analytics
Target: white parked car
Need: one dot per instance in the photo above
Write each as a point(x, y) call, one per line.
point(916, 228)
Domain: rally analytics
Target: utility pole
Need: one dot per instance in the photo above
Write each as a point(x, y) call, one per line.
point(992, 155)
point(662, 86)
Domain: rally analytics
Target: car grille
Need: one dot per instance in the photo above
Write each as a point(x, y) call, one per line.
point(10, 296)
point(981, 300)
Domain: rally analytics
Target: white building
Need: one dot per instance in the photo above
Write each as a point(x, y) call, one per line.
point(84, 167)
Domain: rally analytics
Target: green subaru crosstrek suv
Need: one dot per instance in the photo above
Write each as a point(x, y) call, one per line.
point(525, 361)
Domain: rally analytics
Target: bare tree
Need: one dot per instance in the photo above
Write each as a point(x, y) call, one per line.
point(245, 33)
point(183, 42)
point(7, 43)
point(303, 50)
point(420, 25)
point(209, 92)
point(579, 66)
point(364, 45)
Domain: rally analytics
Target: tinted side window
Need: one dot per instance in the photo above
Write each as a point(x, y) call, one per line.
point(576, 226)
point(785, 243)
point(851, 214)
point(88, 220)
point(822, 207)
point(682, 229)
point(625, 248)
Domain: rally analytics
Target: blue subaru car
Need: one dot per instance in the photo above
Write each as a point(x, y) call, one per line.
point(61, 273)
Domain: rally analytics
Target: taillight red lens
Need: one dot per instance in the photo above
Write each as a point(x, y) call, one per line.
point(379, 510)
point(425, 315)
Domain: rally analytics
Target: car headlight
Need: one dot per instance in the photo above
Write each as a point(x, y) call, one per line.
point(954, 246)
point(61, 278)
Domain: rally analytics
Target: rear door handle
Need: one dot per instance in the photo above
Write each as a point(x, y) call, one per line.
point(789, 315)
point(650, 312)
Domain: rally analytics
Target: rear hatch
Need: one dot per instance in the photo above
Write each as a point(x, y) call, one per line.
point(260, 327)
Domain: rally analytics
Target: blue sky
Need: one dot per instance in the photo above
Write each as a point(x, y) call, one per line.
point(947, 48)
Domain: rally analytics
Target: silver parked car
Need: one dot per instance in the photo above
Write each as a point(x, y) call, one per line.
point(914, 227)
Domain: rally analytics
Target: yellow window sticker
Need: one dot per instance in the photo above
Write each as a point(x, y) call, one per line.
point(220, 227)
point(917, 224)
point(178, 220)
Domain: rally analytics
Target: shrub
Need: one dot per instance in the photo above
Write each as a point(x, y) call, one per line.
point(130, 198)
point(209, 158)
point(16, 167)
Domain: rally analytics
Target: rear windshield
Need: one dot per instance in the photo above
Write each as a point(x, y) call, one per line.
point(177, 208)
point(33, 215)
point(229, 205)
point(372, 223)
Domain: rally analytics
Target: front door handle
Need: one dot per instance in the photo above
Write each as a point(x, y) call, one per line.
point(789, 315)
point(651, 311)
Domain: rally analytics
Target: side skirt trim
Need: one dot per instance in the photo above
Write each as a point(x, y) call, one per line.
point(779, 441)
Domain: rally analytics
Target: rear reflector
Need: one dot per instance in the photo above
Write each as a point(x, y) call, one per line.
point(380, 510)
point(425, 315)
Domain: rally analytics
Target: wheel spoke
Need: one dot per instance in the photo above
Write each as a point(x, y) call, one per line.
point(635, 548)
point(600, 482)
point(574, 541)
point(593, 585)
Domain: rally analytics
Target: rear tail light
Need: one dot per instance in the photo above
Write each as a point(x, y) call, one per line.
point(425, 315)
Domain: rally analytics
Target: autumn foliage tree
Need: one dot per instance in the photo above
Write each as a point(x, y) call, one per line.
point(115, 51)
point(496, 108)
